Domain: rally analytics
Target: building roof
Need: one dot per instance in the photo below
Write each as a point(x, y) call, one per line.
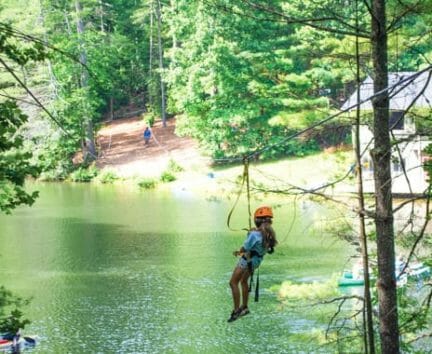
point(401, 95)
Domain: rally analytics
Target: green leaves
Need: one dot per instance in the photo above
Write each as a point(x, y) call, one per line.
point(10, 316)
point(15, 163)
point(241, 84)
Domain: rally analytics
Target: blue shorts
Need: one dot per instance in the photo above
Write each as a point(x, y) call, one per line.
point(244, 264)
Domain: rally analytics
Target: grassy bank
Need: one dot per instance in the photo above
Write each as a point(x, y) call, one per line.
point(305, 173)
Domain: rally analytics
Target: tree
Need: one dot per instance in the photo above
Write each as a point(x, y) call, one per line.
point(15, 163)
point(336, 18)
point(236, 73)
point(381, 154)
point(97, 68)
point(89, 144)
point(145, 17)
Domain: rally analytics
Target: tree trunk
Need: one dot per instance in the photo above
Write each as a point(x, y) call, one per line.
point(173, 4)
point(162, 86)
point(111, 105)
point(381, 154)
point(89, 145)
point(101, 9)
point(369, 329)
point(149, 87)
point(52, 79)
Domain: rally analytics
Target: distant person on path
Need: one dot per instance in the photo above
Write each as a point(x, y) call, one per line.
point(259, 241)
point(147, 135)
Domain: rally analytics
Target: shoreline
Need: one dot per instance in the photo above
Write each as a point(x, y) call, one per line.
point(283, 174)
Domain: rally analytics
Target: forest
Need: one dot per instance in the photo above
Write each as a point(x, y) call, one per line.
point(246, 79)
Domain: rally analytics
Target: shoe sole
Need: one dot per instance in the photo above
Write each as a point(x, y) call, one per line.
point(233, 319)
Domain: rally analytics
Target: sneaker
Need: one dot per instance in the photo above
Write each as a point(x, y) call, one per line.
point(234, 315)
point(244, 311)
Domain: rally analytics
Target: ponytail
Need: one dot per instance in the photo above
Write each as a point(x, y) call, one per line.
point(268, 233)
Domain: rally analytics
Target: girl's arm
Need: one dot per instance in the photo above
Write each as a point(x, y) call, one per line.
point(239, 252)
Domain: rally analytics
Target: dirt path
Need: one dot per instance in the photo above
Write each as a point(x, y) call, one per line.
point(122, 148)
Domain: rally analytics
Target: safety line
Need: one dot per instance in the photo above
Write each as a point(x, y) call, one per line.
point(245, 180)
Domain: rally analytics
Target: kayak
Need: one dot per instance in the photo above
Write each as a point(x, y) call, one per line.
point(350, 282)
point(8, 344)
point(415, 272)
point(349, 279)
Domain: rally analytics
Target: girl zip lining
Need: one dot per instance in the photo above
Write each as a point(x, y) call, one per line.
point(259, 241)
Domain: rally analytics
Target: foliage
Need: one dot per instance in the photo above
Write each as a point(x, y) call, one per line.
point(15, 161)
point(174, 166)
point(240, 78)
point(107, 177)
point(169, 174)
point(239, 85)
point(147, 183)
point(428, 163)
point(75, 94)
point(307, 291)
point(149, 117)
point(11, 318)
point(84, 174)
point(167, 177)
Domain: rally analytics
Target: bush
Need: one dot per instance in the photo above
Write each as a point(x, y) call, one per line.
point(167, 176)
point(107, 176)
point(11, 321)
point(52, 176)
point(149, 117)
point(174, 166)
point(83, 174)
point(147, 183)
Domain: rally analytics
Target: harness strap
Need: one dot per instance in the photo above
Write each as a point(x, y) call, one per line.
point(257, 288)
point(256, 285)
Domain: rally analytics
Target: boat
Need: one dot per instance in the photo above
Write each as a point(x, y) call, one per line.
point(8, 343)
point(414, 272)
point(348, 279)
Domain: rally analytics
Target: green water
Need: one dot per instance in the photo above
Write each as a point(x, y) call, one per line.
point(116, 270)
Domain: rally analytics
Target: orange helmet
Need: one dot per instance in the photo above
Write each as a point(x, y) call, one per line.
point(263, 212)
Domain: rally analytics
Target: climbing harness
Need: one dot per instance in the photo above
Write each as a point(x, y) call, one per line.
point(245, 180)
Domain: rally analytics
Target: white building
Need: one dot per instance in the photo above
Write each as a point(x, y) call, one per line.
point(408, 152)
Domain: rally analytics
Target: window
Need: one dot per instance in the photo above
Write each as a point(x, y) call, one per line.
point(367, 165)
point(396, 120)
point(397, 165)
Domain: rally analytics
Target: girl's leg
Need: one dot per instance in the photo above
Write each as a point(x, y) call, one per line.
point(235, 279)
point(245, 287)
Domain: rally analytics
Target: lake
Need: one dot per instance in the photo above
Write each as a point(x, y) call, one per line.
point(112, 269)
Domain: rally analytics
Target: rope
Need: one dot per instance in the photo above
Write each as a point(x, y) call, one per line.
point(245, 179)
point(246, 163)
